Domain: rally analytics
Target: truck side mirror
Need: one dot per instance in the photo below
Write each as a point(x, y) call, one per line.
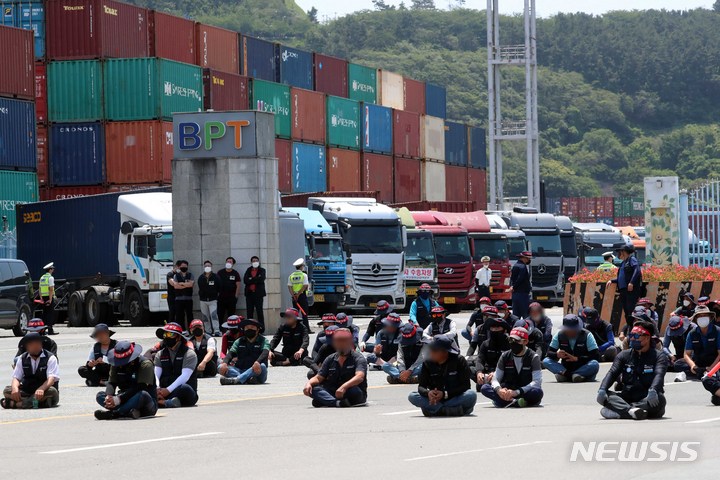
point(152, 246)
point(404, 237)
point(128, 227)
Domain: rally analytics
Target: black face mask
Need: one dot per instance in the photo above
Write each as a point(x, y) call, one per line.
point(516, 348)
point(198, 332)
point(250, 334)
point(184, 269)
point(497, 336)
point(170, 342)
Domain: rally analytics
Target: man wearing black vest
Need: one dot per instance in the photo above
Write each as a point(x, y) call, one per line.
point(490, 351)
point(295, 341)
point(205, 348)
point(603, 333)
point(175, 369)
point(520, 285)
point(382, 310)
point(420, 307)
point(183, 282)
point(35, 379)
point(517, 381)
point(573, 353)
point(37, 325)
point(96, 370)
point(440, 325)
point(131, 391)
point(702, 347)
point(387, 342)
point(410, 356)
point(246, 361)
point(504, 313)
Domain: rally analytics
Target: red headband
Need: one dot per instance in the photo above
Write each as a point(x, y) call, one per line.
point(640, 330)
point(126, 353)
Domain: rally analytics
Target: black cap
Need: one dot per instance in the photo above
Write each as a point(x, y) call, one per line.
point(572, 322)
point(101, 327)
point(626, 248)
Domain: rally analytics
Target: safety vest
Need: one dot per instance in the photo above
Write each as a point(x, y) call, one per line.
point(201, 350)
point(606, 267)
point(297, 280)
point(579, 351)
point(513, 379)
point(34, 380)
point(171, 370)
point(705, 355)
point(45, 285)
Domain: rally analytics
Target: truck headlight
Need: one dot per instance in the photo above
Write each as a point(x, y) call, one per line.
point(506, 282)
point(340, 289)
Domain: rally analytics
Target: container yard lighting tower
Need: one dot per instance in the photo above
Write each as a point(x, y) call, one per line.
point(501, 129)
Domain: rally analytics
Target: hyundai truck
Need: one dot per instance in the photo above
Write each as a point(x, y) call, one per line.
point(420, 258)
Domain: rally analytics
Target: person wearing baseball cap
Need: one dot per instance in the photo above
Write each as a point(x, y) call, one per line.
point(676, 334)
point(640, 373)
point(96, 370)
point(386, 343)
point(342, 379)
point(520, 286)
point(410, 357)
point(483, 278)
point(175, 365)
point(702, 347)
point(573, 353)
point(326, 320)
point(38, 326)
point(295, 341)
point(542, 322)
point(687, 305)
point(444, 381)
point(232, 333)
point(422, 305)
point(490, 351)
point(343, 320)
point(205, 348)
point(474, 322)
point(481, 332)
point(35, 378)
point(246, 361)
point(504, 313)
point(629, 279)
point(517, 381)
point(298, 286)
point(382, 310)
point(130, 391)
point(315, 361)
point(535, 337)
point(441, 324)
point(648, 306)
point(602, 331)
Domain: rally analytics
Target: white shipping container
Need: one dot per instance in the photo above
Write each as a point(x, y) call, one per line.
point(432, 138)
point(433, 181)
point(392, 90)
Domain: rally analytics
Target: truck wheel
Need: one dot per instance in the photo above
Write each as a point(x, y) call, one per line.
point(95, 311)
point(23, 317)
point(135, 310)
point(76, 310)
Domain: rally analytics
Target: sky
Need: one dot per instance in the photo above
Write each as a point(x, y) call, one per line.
point(545, 8)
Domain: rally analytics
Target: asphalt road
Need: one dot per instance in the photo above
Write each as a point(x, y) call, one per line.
point(271, 431)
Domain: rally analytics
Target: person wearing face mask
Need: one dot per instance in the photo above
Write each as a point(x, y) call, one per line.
point(608, 264)
point(96, 370)
point(171, 291)
point(517, 381)
point(247, 359)
point(35, 379)
point(573, 353)
point(687, 307)
point(183, 282)
point(410, 356)
point(640, 375)
point(535, 337)
point(382, 310)
point(421, 306)
point(229, 291)
point(205, 348)
point(481, 332)
point(542, 322)
point(490, 351)
point(648, 306)
point(629, 279)
point(520, 285)
point(441, 325)
point(387, 342)
point(476, 320)
point(676, 333)
point(483, 278)
point(603, 333)
point(131, 391)
point(505, 314)
point(298, 285)
point(326, 349)
point(255, 290)
point(294, 338)
point(232, 333)
point(208, 290)
point(36, 325)
point(702, 348)
point(343, 320)
point(175, 369)
point(326, 321)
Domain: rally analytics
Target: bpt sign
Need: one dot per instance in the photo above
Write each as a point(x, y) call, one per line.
point(191, 138)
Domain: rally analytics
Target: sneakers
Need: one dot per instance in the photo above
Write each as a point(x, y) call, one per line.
point(512, 404)
point(715, 400)
point(173, 403)
point(344, 403)
point(104, 415)
point(577, 378)
point(228, 381)
point(375, 366)
point(317, 404)
point(252, 381)
point(134, 414)
point(609, 414)
point(521, 403)
point(681, 377)
point(561, 378)
point(413, 379)
point(638, 413)
point(392, 380)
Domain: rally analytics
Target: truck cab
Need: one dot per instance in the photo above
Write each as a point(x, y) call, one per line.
point(420, 259)
point(570, 244)
point(374, 240)
point(598, 238)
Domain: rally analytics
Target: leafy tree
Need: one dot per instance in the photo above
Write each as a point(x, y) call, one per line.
point(422, 4)
point(313, 15)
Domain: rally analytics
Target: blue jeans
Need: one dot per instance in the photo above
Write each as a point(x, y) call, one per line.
point(326, 398)
point(141, 401)
point(466, 402)
point(394, 372)
point(589, 370)
point(244, 376)
point(466, 335)
point(532, 396)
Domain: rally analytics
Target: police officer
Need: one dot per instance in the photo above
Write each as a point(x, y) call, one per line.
point(520, 285)
point(702, 348)
point(603, 333)
point(175, 369)
point(35, 379)
point(490, 351)
point(608, 264)
point(573, 353)
point(382, 310)
point(96, 370)
point(440, 325)
point(422, 305)
point(410, 356)
point(676, 334)
point(47, 294)
point(298, 285)
point(629, 279)
point(131, 391)
point(315, 362)
point(483, 278)
point(387, 342)
point(246, 361)
point(640, 373)
point(205, 348)
point(542, 322)
point(38, 326)
point(295, 340)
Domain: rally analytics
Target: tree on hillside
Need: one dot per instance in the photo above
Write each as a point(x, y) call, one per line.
point(422, 5)
point(313, 15)
point(381, 5)
point(716, 6)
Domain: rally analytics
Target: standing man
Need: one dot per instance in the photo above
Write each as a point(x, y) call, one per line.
point(422, 305)
point(483, 277)
point(298, 285)
point(520, 285)
point(175, 369)
point(171, 292)
point(205, 348)
point(229, 291)
point(255, 290)
point(628, 281)
point(208, 291)
point(47, 294)
point(183, 283)
point(608, 264)
point(35, 377)
point(96, 370)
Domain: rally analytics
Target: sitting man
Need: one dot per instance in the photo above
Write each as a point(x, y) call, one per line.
point(232, 333)
point(490, 352)
point(536, 342)
point(315, 362)
point(38, 326)
point(444, 383)
point(386, 343)
point(481, 332)
point(246, 361)
point(440, 325)
point(342, 379)
point(603, 333)
point(130, 391)
point(326, 320)
point(648, 306)
point(295, 340)
point(517, 381)
point(205, 348)
point(476, 319)
point(676, 334)
point(505, 314)
point(96, 370)
point(410, 356)
point(382, 310)
point(35, 379)
point(702, 348)
point(422, 305)
point(175, 369)
point(343, 320)
point(640, 373)
point(573, 353)
point(542, 322)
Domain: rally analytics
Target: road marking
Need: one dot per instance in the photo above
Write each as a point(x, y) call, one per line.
point(540, 442)
point(417, 410)
point(126, 444)
point(705, 420)
point(45, 419)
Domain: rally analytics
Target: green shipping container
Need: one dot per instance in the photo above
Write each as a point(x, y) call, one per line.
point(151, 88)
point(343, 122)
point(16, 188)
point(362, 83)
point(273, 98)
point(75, 91)
point(637, 207)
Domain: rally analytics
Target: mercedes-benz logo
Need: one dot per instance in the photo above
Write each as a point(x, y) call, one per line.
point(449, 271)
point(541, 269)
point(376, 268)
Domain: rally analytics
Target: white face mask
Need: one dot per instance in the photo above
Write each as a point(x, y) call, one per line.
point(208, 269)
point(228, 265)
point(703, 322)
point(686, 303)
point(255, 264)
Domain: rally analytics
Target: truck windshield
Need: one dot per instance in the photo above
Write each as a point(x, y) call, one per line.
point(452, 249)
point(328, 250)
point(374, 239)
point(420, 250)
point(495, 248)
point(164, 245)
point(544, 245)
point(569, 247)
point(594, 257)
point(516, 246)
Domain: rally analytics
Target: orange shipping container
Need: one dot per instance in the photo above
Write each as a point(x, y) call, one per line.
point(377, 175)
point(217, 48)
point(343, 170)
point(408, 185)
point(477, 187)
point(307, 112)
point(283, 152)
point(456, 183)
point(138, 152)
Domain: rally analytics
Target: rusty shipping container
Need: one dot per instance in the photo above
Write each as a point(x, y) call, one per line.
point(138, 152)
point(414, 95)
point(331, 75)
point(217, 48)
point(433, 182)
point(225, 91)
point(343, 170)
point(283, 152)
point(43, 166)
point(406, 134)
point(377, 175)
point(41, 100)
point(172, 37)
point(391, 90)
point(17, 73)
point(61, 193)
point(477, 187)
point(456, 183)
point(86, 29)
point(408, 184)
point(307, 113)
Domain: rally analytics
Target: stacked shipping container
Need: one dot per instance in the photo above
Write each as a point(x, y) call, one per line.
point(620, 211)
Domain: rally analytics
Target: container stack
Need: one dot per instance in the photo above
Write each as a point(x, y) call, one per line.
point(620, 211)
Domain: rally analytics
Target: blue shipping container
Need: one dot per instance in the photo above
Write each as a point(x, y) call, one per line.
point(308, 168)
point(27, 15)
point(377, 135)
point(478, 148)
point(456, 144)
point(7, 16)
point(77, 154)
point(296, 67)
point(17, 134)
point(435, 100)
point(259, 59)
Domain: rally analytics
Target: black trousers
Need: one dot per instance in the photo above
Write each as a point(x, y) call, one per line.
point(302, 304)
point(482, 291)
point(622, 406)
point(48, 311)
point(184, 313)
point(254, 304)
point(280, 357)
point(96, 374)
point(629, 300)
point(211, 369)
point(226, 307)
point(171, 308)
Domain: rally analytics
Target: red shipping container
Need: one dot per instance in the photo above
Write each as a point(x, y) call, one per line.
point(41, 142)
point(343, 170)
point(406, 134)
point(41, 101)
point(414, 96)
point(283, 152)
point(83, 29)
point(331, 75)
point(172, 37)
point(217, 48)
point(377, 175)
point(408, 187)
point(60, 193)
point(17, 73)
point(138, 152)
point(456, 183)
point(477, 187)
point(225, 91)
point(605, 207)
point(307, 111)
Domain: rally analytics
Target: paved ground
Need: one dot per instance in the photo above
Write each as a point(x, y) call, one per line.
point(271, 431)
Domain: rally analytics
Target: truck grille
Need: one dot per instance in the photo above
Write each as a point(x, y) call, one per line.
point(547, 279)
point(328, 281)
point(495, 279)
point(365, 278)
point(457, 281)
